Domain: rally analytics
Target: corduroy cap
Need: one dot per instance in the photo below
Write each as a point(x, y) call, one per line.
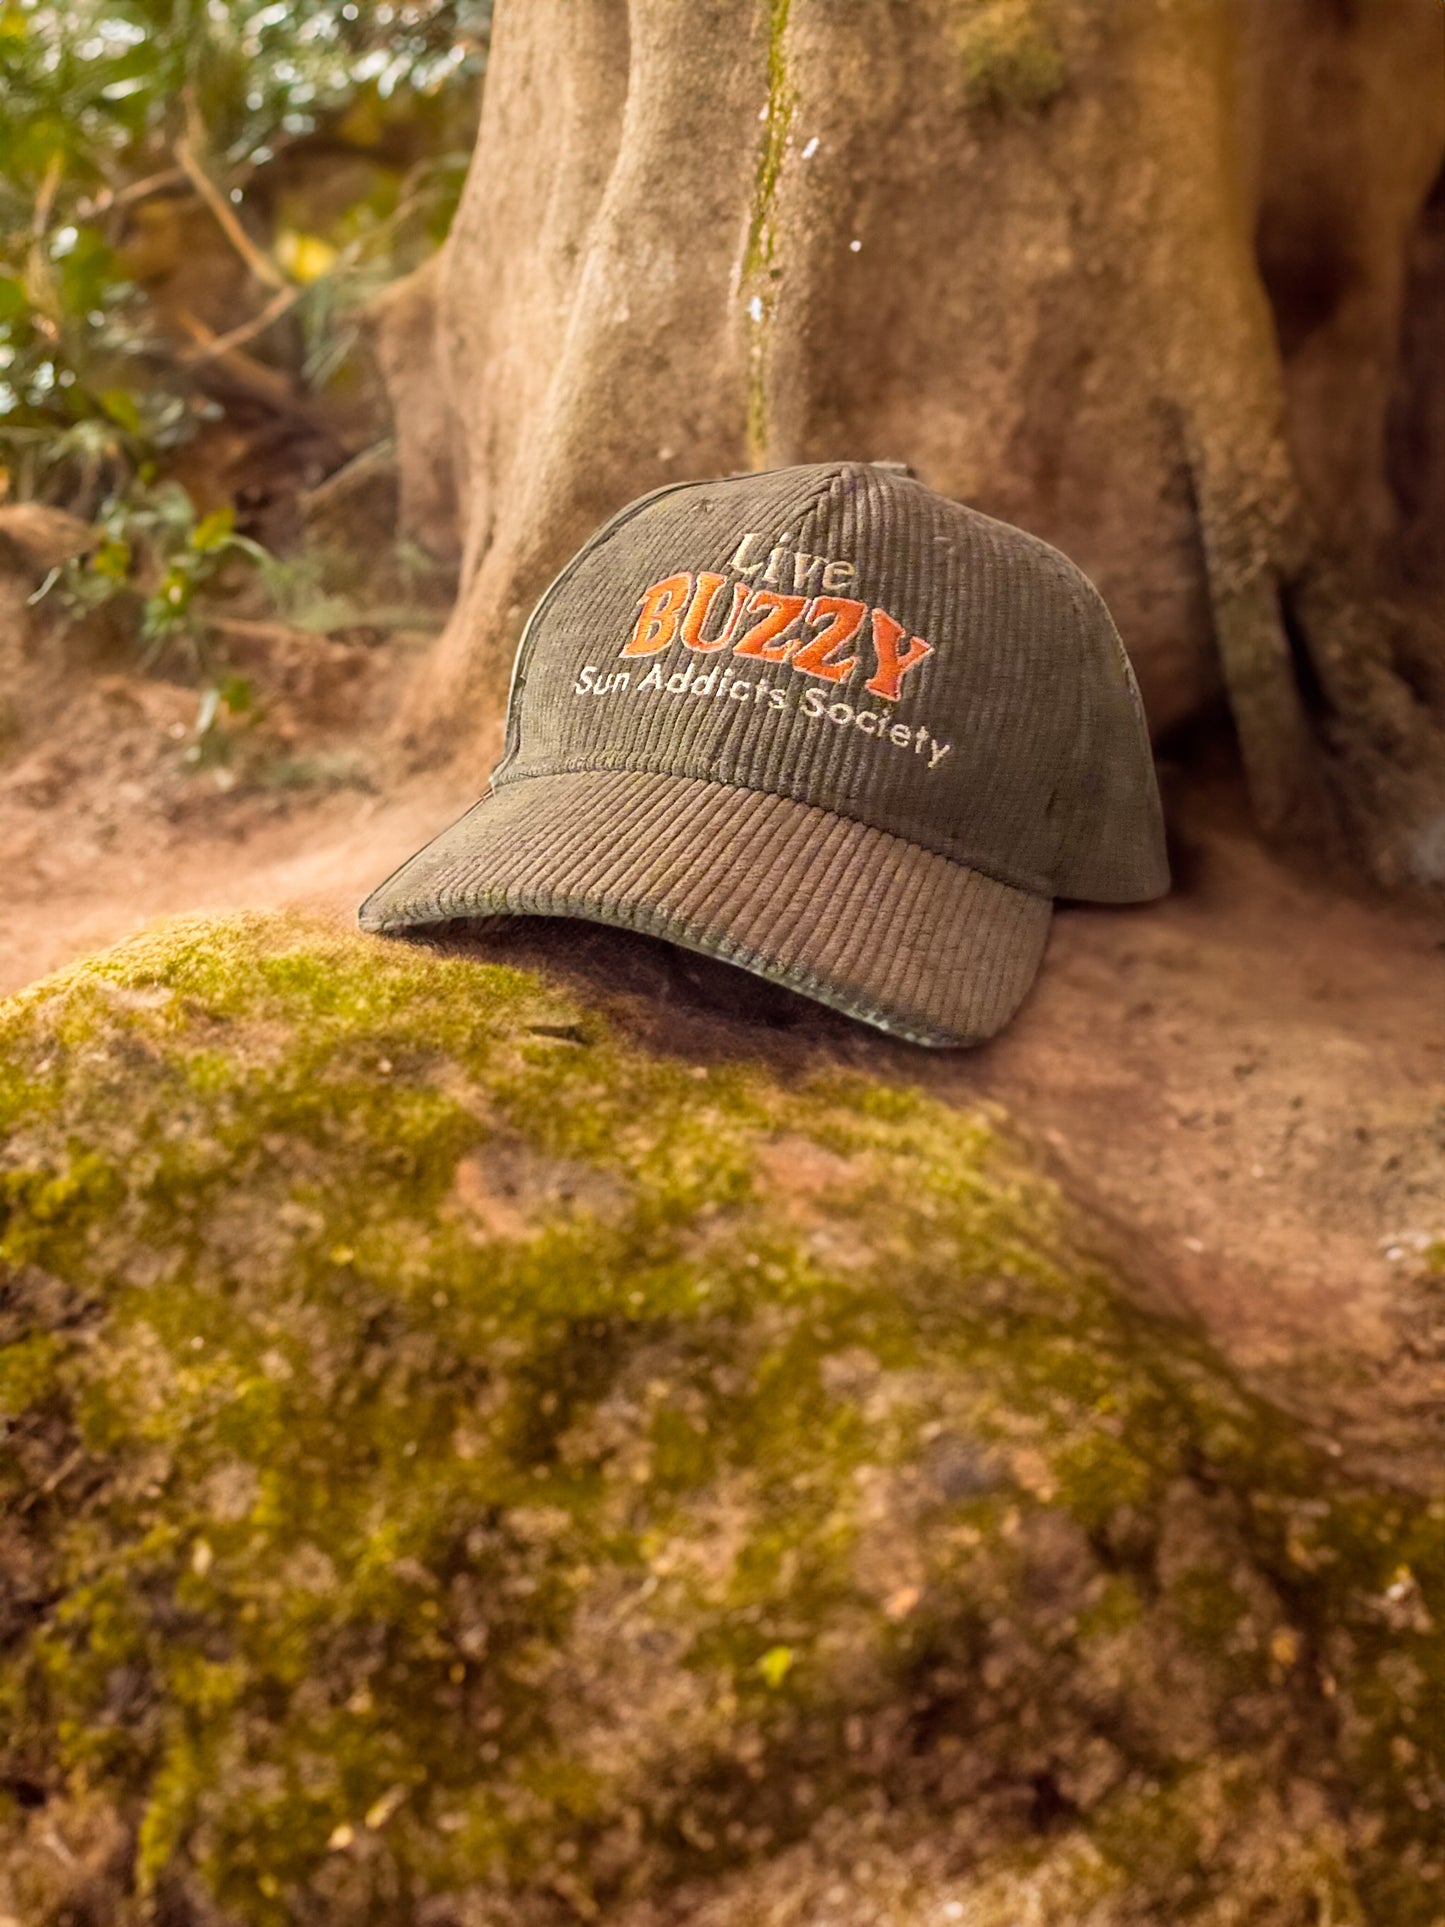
point(822, 723)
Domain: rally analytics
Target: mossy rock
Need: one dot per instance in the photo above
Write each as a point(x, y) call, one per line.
point(463, 1467)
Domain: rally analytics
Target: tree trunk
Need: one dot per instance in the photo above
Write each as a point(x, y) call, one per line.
point(1156, 279)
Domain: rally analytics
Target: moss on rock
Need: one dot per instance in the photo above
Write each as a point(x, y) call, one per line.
point(461, 1466)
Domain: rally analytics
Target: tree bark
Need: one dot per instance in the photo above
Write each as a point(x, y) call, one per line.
point(1150, 279)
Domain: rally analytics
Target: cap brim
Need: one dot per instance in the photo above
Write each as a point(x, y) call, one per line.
point(851, 916)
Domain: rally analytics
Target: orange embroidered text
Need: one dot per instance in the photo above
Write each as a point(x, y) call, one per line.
point(816, 635)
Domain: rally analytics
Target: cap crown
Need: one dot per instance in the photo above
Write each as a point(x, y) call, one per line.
point(842, 635)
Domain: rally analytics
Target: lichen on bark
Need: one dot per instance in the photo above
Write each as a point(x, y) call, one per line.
point(1010, 54)
point(759, 268)
point(462, 1465)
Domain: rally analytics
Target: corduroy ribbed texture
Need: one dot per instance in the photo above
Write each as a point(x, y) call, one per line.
point(1048, 782)
point(885, 835)
point(850, 916)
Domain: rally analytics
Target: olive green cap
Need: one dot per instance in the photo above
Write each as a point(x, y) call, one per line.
point(822, 723)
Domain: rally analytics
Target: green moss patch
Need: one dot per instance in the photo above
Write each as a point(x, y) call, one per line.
point(1010, 55)
point(761, 269)
point(451, 1450)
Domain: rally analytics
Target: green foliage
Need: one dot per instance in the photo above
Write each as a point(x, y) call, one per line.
point(97, 98)
point(161, 564)
point(92, 85)
point(154, 546)
point(80, 415)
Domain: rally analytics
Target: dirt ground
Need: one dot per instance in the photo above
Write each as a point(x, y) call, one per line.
point(1245, 1081)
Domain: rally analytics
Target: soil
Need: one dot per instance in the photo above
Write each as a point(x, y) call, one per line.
point(1246, 1082)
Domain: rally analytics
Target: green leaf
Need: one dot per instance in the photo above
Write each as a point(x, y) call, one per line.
point(173, 598)
point(258, 554)
point(775, 1664)
point(87, 274)
point(13, 303)
point(119, 404)
point(213, 531)
point(159, 619)
point(112, 559)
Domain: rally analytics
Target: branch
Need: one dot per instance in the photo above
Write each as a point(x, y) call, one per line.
point(45, 199)
point(266, 385)
point(213, 347)
point(260, 264)
point(210, 347)
point(111, 199)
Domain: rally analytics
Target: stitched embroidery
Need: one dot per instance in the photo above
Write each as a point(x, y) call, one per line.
point(809, 633)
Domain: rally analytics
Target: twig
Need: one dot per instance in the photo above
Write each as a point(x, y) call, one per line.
point(111, 199)
point(45, 199)
point(218, 345)
point(258, 383)
point(247, 629)
point(44, 1490)
point(281, 303)
point(260, 264)
point(264, 383)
